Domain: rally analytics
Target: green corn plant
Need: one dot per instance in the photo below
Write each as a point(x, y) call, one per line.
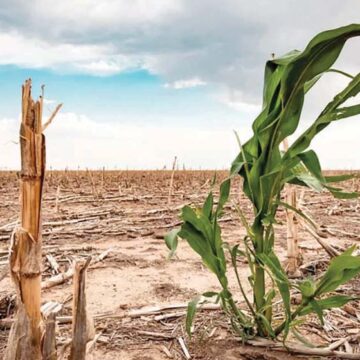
point(265, 170)
point(203, 233)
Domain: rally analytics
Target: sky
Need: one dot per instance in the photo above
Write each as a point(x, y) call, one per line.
point(143, 81)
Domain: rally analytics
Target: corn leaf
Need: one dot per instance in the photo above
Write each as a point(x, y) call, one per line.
point(193, 306)
point(208, 205)
point(339, 178)
point(191, 310)
point(318, 310)
point(331, 302)
point(341, 269)
point(200, 245)
point(341, 194)
point(329, 114)
point(224, 195)
point(171, 241)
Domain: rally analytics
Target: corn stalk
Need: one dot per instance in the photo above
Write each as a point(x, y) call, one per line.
point(25, 250)
point(293, 254)
point(265, 171)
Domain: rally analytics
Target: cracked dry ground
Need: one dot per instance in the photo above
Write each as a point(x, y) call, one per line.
point(87, 213)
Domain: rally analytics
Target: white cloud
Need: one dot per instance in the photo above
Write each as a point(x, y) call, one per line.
point(222, 44)
point(187, 43)
point(106, 67)
point(75, 140)
point(225, 43)
point(186, 83)
point(234, 100)
point(95, 59)
point(49, 101)
point(32, 52)
point(107, 13)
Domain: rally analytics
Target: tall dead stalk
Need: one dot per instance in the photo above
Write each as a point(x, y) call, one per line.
point(25, 248)
point(103, 179)
point(171, 190)
point(314, 228)
point(93, 185)
point(57, 199)
point(293, 253)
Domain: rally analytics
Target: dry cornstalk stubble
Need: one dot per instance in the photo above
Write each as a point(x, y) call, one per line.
point(82, 324)
point(25, 249)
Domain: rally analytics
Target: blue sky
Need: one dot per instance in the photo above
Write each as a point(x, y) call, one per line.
point(131, 102)
point(107, 98)
point(145, 80)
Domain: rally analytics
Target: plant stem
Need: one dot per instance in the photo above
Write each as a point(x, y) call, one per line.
point(281, 327)
point(239, 315)
point(259, 281)
point(259, 287)
point(243, 291)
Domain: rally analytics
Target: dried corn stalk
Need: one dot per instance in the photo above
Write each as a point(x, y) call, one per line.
point(82, 324)
point(171, 190)
point(25, 250)
point(293, 253)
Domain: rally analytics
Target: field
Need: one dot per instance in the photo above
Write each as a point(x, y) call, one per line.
point(123, 216)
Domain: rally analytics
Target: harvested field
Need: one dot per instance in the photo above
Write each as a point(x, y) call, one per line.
point(119, 218)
